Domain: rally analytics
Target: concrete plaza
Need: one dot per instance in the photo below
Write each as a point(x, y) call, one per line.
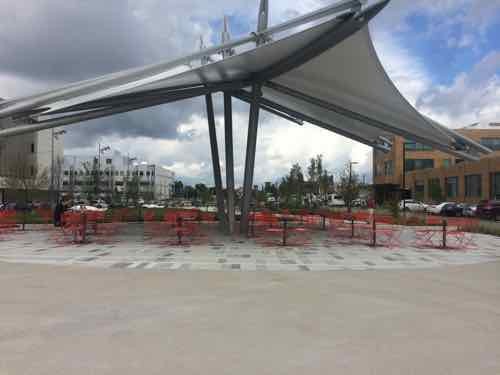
point(127, 308)
point(133, 248)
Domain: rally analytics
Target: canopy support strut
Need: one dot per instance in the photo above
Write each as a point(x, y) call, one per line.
point(253, 123)
point(228, 124)
point(215, 160)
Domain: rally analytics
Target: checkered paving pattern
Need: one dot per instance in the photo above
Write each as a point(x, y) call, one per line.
point(134, 250)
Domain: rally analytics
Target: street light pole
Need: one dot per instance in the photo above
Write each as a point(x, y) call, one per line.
point(404, 177)
point(54, 135)
point(98, 179)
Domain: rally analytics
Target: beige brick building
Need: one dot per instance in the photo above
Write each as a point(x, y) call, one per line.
point(435, 176)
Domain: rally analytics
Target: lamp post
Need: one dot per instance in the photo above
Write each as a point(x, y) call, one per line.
point(100, 150)
point(351, 163)
point(129, 161)
point(403, 191)
point(54, 135)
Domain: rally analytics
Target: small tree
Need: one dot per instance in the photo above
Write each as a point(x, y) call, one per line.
point(132, 189)
point(23, 175)
point(435, 191)
point(91, 179)
point(348, 185)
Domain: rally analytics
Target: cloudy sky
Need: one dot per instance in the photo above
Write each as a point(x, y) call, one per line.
point(443, 55)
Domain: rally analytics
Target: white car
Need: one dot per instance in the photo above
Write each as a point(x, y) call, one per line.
point(335, 200)
point(412, 205)
point(82, 207)
point(436, 209)
point(151, 205)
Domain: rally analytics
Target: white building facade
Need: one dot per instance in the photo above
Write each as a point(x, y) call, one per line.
point(32, 152)
point(114, 174)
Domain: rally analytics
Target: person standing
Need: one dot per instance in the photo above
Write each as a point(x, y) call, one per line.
point(58, 211)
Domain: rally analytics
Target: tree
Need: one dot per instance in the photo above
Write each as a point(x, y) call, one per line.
point(348, 185)
point(435, 191)
point(320, 180)
point(202, 192)
point(90, 179)
point(293, 185)
point(189, 192)
point(23, 175)
point(178, 189)
point(132, 189)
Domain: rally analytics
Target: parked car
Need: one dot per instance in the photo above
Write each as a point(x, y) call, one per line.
point(470, 210)
point(335, 200)
point(86, 208)
point(360, 203)
point(489, 209)
point(412, 205)
point(154, 205)
point(437, 209)
point(452, 209)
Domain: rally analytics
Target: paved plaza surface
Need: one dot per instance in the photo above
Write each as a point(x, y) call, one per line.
point(85, 320)
point(136, 249)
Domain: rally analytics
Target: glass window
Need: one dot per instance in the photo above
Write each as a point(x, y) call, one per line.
point(491, 143)
point(414, 164)
point(66, 173)
point(451, 187)
point(473, 185)
point(388, 168)
point(142, 173)
point(109, 161)
point(415, 146)
point(32, 148)
point(446, 163)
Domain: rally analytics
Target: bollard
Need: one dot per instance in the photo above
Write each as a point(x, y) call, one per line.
point(445, 224)
point(374, 232)
point(352, 226)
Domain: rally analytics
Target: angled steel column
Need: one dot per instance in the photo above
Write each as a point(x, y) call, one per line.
point(228, 122)
point(253, 123)
point(215, 160)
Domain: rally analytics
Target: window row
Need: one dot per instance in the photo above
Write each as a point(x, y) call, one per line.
point(108, 173)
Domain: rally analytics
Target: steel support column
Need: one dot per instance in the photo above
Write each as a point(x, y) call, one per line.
point(228, 123)
point(253, 123)
point(215, 160)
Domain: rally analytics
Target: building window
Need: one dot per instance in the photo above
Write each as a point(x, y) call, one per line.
point(32, 170)
point(142, 173)
point(109, 161)
point(414, 164)
point(491, 143)
point(446, 163)
point(121, 173)
point(451, 187)
point(414, 146)
point(32, 148)
point(388, 168)
point(66, 173)
point(473, 185)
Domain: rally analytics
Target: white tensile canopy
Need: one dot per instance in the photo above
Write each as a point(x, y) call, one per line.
point(323, 70)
